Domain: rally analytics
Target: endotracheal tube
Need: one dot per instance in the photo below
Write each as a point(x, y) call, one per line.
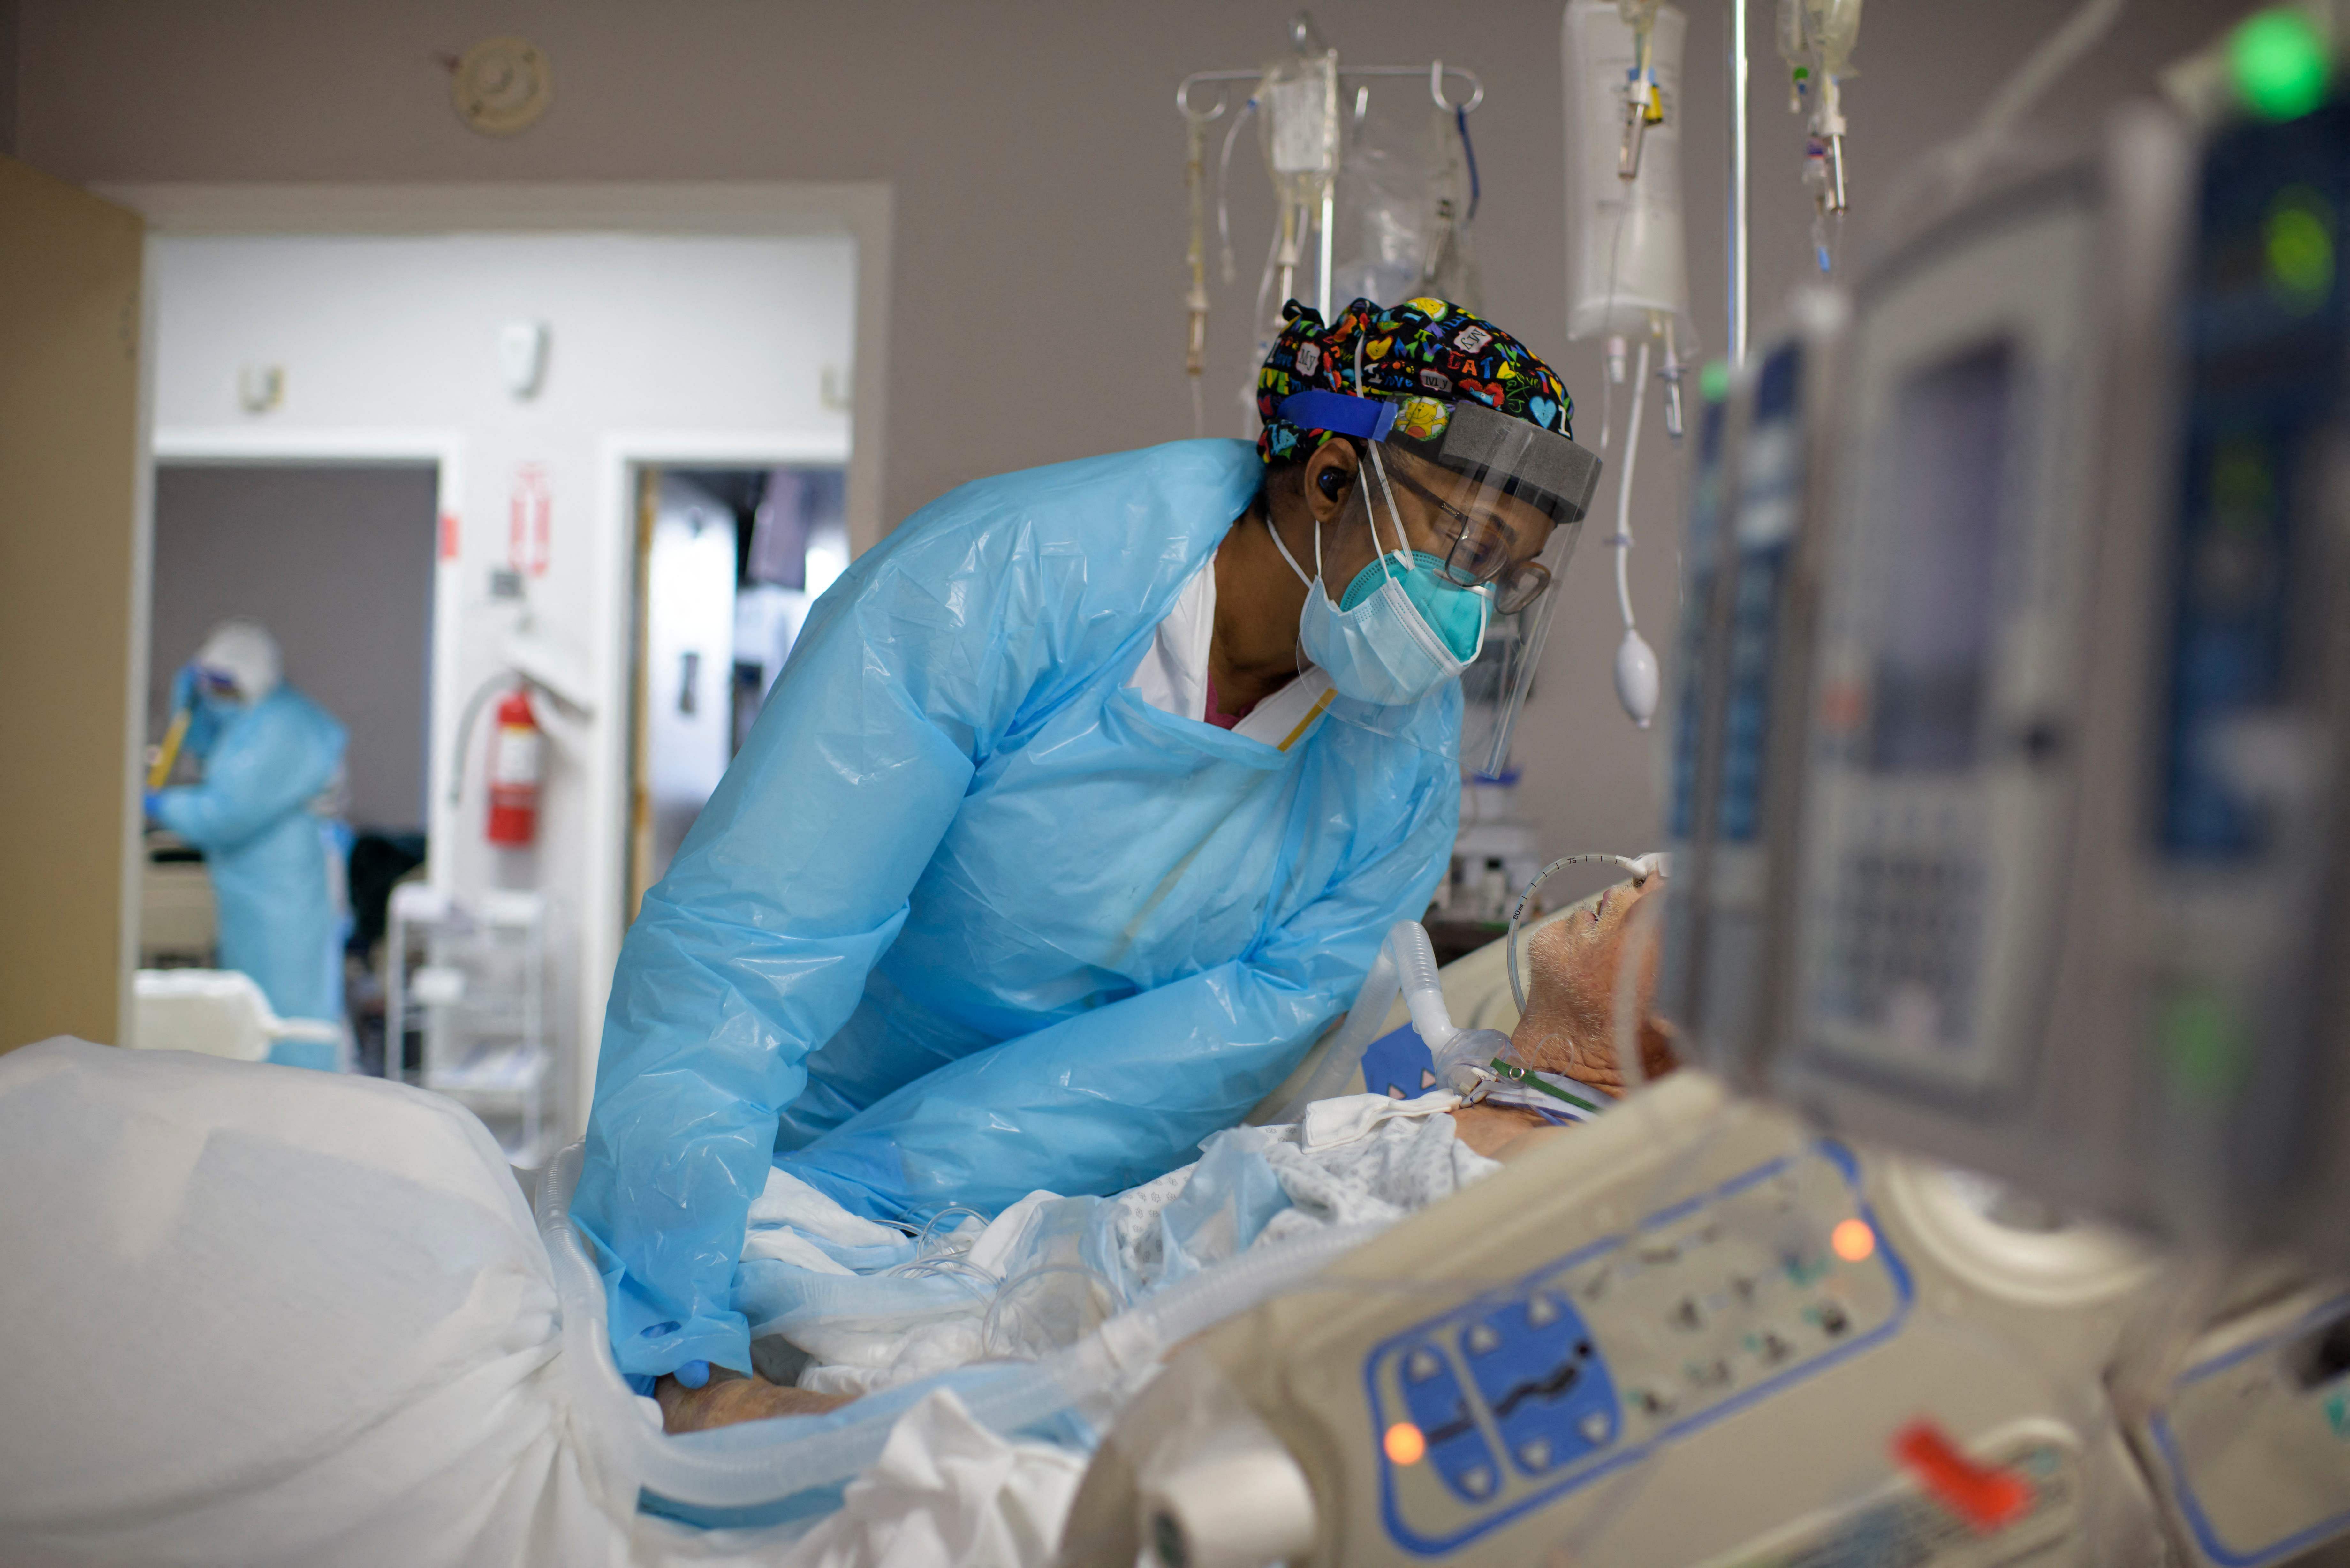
point(1815, 39)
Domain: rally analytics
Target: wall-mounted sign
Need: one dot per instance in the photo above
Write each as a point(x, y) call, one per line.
point(530, 516)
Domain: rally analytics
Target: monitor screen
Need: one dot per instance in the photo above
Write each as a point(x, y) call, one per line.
point(1944, 491)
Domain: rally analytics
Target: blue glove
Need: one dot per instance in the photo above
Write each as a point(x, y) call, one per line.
point(152, 798)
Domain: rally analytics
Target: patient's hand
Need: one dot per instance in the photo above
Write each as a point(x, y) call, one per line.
point(728, 1398)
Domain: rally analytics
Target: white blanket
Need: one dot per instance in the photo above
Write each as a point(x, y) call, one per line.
point(876, 1308)
point(258, 1315)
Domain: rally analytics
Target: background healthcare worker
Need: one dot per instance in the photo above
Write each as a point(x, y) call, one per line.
point(1081, 807)
point(270, 757)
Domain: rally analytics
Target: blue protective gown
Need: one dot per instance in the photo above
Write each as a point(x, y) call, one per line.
point(967, 917)
point(264, 847)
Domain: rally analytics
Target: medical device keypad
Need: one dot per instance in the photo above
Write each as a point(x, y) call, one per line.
point(1577, 1370)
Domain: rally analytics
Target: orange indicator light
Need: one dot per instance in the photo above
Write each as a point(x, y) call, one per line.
point(1853, 1240)
point(1405, 1445)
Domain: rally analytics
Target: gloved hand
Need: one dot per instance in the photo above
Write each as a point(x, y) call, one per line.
point(183, 688)
point(153, 797)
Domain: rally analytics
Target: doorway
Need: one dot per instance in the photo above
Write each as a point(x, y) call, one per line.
point(728, 561)
point(336, 559)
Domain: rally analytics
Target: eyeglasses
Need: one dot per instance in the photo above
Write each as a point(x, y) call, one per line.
point(1481, 553)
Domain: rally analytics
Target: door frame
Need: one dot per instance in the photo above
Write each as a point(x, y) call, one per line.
point(860, 210)
point(445, 449)
point(621, 456)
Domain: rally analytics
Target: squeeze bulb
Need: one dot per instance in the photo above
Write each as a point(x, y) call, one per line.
point(1636, 677)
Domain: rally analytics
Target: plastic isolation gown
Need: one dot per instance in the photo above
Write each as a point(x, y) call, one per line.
point(968, 918)
point(265, 849)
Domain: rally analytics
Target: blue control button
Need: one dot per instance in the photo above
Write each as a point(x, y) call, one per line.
point(1549, 1391)
point(1432, 1393)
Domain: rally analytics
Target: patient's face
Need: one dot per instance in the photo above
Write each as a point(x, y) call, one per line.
point(1573, 965)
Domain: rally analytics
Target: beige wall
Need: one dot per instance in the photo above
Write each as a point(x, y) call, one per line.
point(1036, 158)
point(68, 575)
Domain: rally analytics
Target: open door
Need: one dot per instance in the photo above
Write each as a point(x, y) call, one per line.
point(69, 588)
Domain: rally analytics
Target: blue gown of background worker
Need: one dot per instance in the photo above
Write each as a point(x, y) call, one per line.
point(268, 753)
point(968, 918)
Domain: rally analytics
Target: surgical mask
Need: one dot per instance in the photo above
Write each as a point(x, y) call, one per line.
point(1402, 628)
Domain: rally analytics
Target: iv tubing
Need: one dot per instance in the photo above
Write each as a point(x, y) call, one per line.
point(1622, 542)
point(1223, 188)
point(1737, 184)
point(2055, 56)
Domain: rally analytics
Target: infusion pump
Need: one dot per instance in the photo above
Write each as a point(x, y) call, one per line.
point(2011, 764)
point(2009, 778)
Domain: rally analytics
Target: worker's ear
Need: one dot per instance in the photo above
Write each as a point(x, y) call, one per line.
point(1330, 476)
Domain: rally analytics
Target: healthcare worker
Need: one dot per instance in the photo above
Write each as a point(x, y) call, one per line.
point(1082, 805)
point(269, 756)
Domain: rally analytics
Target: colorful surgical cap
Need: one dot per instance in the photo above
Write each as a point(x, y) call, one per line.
point(1422, 353)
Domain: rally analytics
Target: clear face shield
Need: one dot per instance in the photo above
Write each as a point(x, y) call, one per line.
point(1463, 497)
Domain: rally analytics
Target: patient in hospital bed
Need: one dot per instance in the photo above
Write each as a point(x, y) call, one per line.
point(273, 1317)
point(1574, 964)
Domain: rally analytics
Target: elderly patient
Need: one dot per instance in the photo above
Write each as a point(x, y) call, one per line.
point(1573, 967)
point(1574, 964)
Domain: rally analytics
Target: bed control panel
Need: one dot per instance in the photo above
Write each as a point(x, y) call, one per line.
point(1587, 1365)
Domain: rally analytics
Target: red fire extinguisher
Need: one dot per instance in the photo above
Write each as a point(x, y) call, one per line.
point(515, 764)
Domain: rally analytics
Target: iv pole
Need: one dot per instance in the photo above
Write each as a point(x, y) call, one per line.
point(1737, 192)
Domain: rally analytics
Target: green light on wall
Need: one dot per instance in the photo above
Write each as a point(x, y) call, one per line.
point(1714, 380)
point(2280, 64)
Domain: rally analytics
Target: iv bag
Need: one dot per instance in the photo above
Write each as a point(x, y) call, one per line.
point(1819, 34)
point(1625, 259)
point(1299, 124)
point(1403, 197)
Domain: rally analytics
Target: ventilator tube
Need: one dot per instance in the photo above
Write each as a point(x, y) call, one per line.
point(1406, 965)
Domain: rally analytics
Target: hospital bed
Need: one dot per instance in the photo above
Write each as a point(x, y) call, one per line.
point(357, 1343)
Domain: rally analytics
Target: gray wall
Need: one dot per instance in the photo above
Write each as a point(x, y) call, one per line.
point(337, 563)
point(1036, 311)
point(8, 76)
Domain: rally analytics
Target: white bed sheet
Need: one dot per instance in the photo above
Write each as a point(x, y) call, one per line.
point(259, 1315)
